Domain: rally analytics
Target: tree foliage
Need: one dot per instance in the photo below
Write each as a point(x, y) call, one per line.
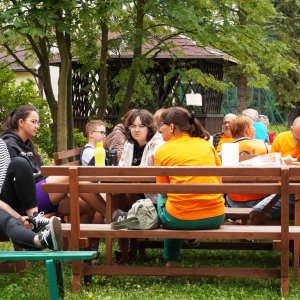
point(12, 96)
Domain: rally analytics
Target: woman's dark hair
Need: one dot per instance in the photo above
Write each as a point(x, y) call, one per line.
point(185, 122)
point(146, 119)
point(11, 122)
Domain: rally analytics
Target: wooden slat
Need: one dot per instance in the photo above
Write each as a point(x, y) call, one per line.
point(237, 213)
point(213, 245)
point(55, 188)
point(180, 171)
point(294, 171)
point(152, 188)
point(224, 232)
point(73, 163)
point(86, 187)
point(55, 171)
point(68, 153)
point(184, 271)
point(118, 178)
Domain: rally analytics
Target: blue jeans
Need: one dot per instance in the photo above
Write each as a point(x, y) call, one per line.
point(244, 204)
point(172, 246)
point(275, 212)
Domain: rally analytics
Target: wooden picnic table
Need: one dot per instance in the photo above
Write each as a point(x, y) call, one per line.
point(77, 186)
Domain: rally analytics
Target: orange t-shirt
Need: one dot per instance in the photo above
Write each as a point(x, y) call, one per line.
point(224, 139)
point(248, 147)
point(284, 143)
point(186, 151)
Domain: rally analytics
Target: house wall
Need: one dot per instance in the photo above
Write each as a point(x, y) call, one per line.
point(54, 71)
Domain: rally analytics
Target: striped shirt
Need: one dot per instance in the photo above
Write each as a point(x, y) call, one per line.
point(4, 162)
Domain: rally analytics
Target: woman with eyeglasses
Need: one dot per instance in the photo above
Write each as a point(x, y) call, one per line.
point(20, 125)
point(142, 141)
point(187, 144)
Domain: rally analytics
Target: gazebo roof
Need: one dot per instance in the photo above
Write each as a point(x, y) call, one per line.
point(186, 49)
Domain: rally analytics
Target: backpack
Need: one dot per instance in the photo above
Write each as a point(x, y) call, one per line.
point(142, 215)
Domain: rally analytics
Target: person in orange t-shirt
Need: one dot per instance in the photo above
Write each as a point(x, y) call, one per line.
point(187, 145)
point(225, 136)
point(288, 143)
point(243, 132)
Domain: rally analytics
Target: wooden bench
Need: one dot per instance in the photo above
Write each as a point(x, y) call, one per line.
point(53, 264)
point(75, 230)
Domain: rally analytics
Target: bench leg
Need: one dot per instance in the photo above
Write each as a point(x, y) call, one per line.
point(88, 278)
point(22, 265)
point(60, 279)
point(125, 250)
point(52, 280)
point(133, 247)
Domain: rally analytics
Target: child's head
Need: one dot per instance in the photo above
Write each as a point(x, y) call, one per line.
point(95, 131)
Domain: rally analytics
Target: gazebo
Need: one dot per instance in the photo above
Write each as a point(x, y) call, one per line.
point(166, 91)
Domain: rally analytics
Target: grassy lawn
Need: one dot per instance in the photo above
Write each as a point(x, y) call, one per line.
point(134, 287)
point(273, 128)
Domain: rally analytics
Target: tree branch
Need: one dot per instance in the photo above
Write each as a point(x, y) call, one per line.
point(20, 62)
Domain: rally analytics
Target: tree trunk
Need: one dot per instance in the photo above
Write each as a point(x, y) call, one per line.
point(293, 114)
point(103, 72)
point(242, 94)
point(62, 92)
point(70, 120)
point(46, 80)
point(135, 68)
point(242, 80)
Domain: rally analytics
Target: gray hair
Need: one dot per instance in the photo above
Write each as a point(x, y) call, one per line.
point(250, 113)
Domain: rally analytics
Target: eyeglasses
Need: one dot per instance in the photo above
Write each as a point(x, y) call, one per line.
point(101, 132)
point(263, 117)
point(140, 127)
point(224, 123)
point(34, 122)
point(160, 124)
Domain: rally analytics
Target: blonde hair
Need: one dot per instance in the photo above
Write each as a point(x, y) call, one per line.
point(125, 117)
point(92, 125)
point(156, 117)
point(237, 126)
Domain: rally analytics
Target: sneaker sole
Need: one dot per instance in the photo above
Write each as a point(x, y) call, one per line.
point(55, 229)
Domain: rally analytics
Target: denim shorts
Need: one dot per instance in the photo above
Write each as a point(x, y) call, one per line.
point(242, 204)
point(275, 212)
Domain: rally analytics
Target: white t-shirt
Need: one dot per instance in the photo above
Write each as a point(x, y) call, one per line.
point(88, 154)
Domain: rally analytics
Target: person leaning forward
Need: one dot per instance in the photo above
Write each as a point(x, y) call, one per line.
point(225, 136)
point(288, 143)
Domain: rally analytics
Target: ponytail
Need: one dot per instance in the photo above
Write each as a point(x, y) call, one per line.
point(185, 122)
point(11, 123)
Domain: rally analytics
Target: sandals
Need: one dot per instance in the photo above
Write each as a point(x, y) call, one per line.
point(192, 243)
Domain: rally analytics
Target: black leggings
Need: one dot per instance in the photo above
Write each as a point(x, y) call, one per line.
point(12, 229)
point(18, 190)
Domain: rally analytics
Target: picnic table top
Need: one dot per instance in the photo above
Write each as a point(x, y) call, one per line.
point(46, 255)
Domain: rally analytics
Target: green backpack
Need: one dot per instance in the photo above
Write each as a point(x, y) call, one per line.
point(142, 215)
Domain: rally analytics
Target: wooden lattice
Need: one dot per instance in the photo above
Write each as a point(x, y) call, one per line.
point(166, 91)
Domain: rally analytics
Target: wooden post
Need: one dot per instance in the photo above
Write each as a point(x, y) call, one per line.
point(75, 226)
point(108, 221)
point(285, 230)
point(296, 242)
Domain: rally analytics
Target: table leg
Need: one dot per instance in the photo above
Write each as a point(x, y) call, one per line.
point(296, 242)
point(60, 279)
point(52, 280)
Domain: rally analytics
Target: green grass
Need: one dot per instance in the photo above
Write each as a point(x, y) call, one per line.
point(273, 128)
point(142, 287)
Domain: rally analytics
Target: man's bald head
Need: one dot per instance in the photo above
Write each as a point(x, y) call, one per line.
point(226, 123)
point(295, 130)
point(251, 113)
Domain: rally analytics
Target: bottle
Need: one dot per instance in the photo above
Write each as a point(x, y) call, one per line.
point(112, 157)
point(100, 155)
